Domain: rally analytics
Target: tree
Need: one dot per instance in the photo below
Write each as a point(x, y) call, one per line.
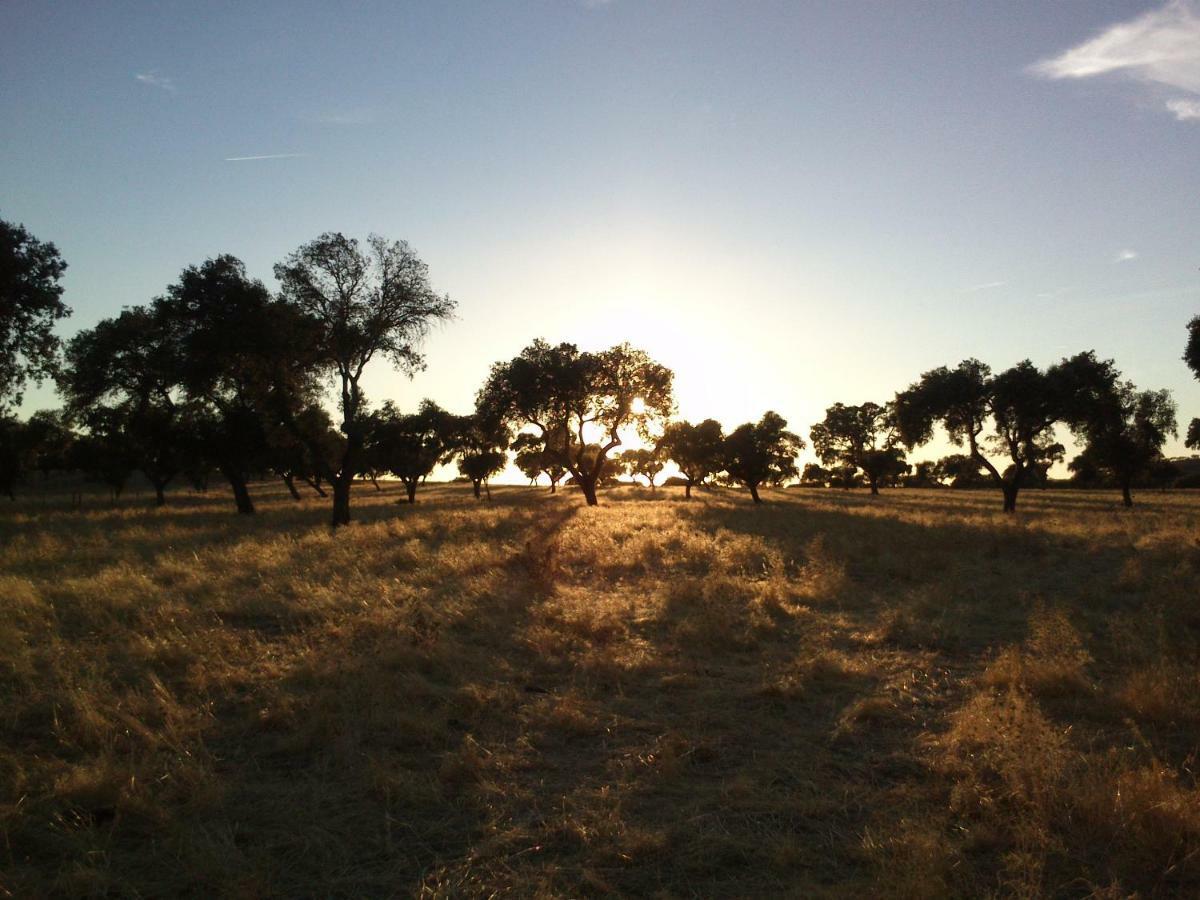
point(533, 459)
point(412, 445)
point(364, 303)
point(1021, 404)
point(644, 461)
point(11, 454)
point(121, 376)
point(859, 436)
point(960, 470)
point(1123, 429)
point(1191, 356)
point(697, 450)
point(814, 475)
point(762, 452)
point(576, 398)
point(480, 444)
point(30, 304)
point(243, 355)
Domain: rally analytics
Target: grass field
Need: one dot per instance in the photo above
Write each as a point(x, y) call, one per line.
point(826, 695)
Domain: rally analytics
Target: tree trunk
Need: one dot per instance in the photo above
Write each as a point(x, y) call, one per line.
point(488, 490)
point(160, 499)
point(341, 500)
point(553, 486)
point(475, 485)
point(315, 484)
point(290, 480)
point(687, 491)
point(241, 493)
point(1010, 497)
point(410, 489)
point(375, 481)
point(1126, 496)
point(874, 487)
point(588, 486)
point(754, 493)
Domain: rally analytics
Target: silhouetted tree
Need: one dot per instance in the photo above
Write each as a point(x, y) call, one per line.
point(1022, 404)
point(762, 453)
point(30, 304)
point(859, 436)
point(1123, 429)
point(924, 475)
point(124, 375)
point(644, 461)
point(365, 303)
point(11, 454)
point(104, 453)
point(1191, 356)
point(960, 471)
point(47, 441)
point(412, 445)
point(698, 450)
point(814, 475)
point(480, 443)
point(565, 393)
point(534, 460)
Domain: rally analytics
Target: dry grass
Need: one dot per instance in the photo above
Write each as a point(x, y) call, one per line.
point(823, 696)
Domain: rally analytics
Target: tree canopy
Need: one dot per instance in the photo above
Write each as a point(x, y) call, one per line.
point(697, 450)
point(862, 437)
point(570, 395)
point(364, 303)
point(762, 453)
point(30, 304)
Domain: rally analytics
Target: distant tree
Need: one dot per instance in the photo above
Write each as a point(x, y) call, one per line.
point(762, 453)
point(122, 376)
point(1084, 471)
point(1191, 356)
point(959, 470)
point(646, 462)
point(364, 303)
point(104, 453)
point(30, 304)
point(845, 477)
point(11, 454)
point(1123, 429)
point(565, 394)
point(480, 442)
point(48, 437)
point(924, 475)
point(1021, 404)
point(814, 475)
point(1162, 474)
point(534, 460)
point(859, 436)
point(412, 445)
point(697, 450)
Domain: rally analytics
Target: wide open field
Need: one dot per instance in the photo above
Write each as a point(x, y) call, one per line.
point(825, 695)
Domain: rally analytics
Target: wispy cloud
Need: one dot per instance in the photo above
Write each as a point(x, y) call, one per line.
point(155, 80)
point(265, 156)
point(986, 286)
point(1125, 255)
point(1161, 46)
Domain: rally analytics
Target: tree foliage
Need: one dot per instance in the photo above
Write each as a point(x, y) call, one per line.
point(697, 450)
point(364, 303)
point(862, 437)
point(762, 453)
point(30, 304)
point(569, 396)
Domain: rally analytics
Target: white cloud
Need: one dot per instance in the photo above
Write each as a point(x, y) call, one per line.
point(1125, 255)
point(1161, 46)
point(1184, 110)
point(265, 156)
point(155, 80)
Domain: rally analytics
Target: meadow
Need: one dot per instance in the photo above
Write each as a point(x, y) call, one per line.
point(825, 695)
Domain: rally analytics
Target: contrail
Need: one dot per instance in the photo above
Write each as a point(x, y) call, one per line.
point(266, 156)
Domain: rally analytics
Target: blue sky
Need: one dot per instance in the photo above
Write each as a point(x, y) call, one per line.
point(790, 204)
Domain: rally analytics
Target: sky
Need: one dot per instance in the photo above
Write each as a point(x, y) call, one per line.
point(790, 204)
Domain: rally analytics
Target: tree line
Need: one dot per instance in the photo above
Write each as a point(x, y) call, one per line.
point(218, 375)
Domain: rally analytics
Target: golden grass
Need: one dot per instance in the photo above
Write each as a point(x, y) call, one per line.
point(826, 695)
